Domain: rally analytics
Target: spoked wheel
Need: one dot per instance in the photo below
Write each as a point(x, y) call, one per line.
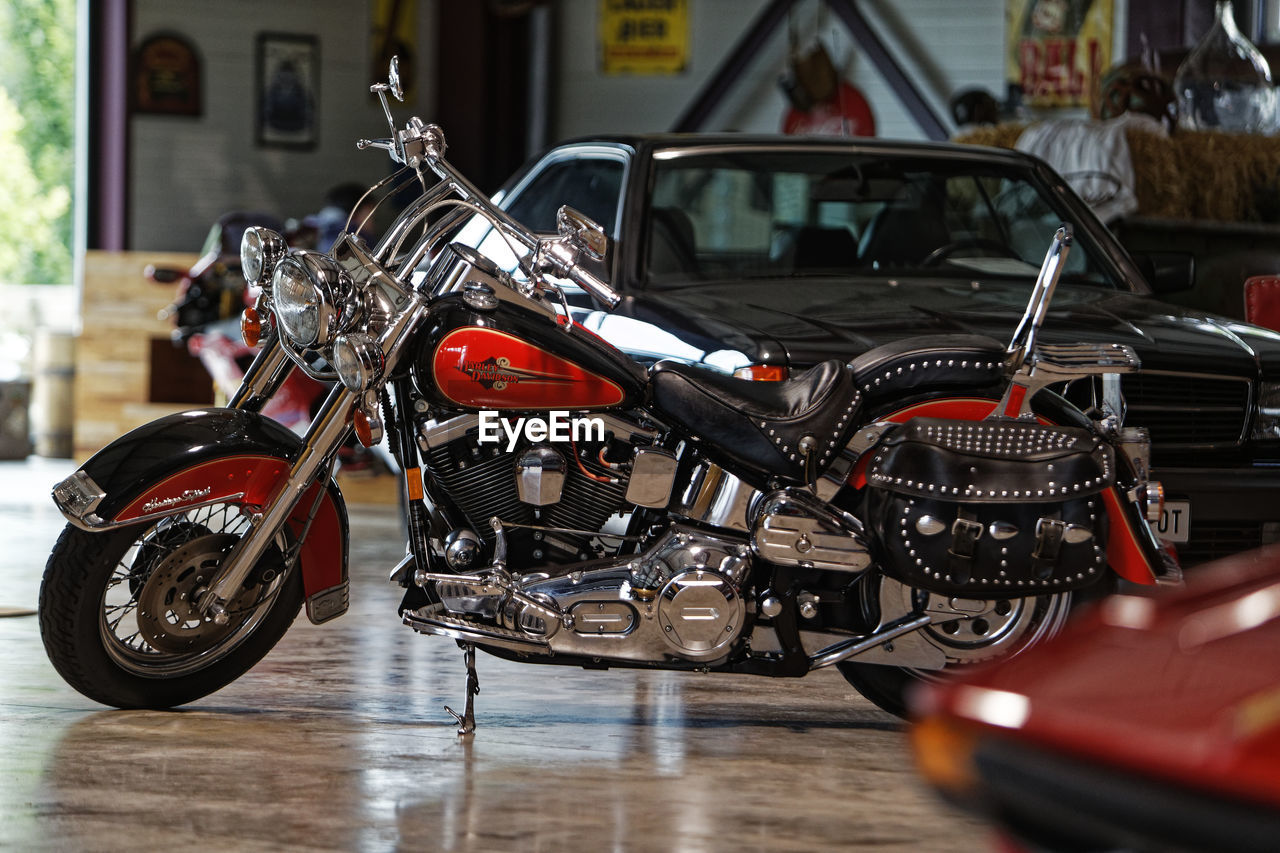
point(967, 631)
point(118, 614)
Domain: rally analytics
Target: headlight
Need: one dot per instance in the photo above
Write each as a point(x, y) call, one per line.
point(358, 360)
point(260, 250)
point(1266, 424)
point(312, 297)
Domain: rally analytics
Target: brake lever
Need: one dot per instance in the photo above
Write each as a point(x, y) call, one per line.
point(384, 144)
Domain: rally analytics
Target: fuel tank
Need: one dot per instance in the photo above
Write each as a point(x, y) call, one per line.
point(490, 347)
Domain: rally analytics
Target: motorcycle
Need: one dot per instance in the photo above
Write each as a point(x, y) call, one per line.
point(929, 505)
point(209, 299)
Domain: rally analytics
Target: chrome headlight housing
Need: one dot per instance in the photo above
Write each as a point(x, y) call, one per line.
point(260, 250)
point(358, 360)
point(1266, 423)
point(312, 297)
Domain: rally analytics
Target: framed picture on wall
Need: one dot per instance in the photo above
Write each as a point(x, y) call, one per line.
point(288, 90)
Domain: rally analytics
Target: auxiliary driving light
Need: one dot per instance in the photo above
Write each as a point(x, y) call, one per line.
point(358, 360)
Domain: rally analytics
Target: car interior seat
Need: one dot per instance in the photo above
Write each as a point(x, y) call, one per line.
point(671, 243)
point(905, 231)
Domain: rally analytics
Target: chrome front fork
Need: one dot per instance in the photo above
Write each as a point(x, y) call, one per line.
point(327, 432)
point(264, 377)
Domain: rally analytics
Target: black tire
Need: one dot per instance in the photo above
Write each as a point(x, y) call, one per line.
point(886, 686)
point(88, 570)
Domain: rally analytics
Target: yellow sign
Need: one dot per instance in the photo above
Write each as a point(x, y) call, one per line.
point(1058, 49)
point(644, 36)
point(393, 31)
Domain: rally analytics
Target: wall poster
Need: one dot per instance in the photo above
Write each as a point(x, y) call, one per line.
point(644, 36)
point(288, 90)
point(1057, 49)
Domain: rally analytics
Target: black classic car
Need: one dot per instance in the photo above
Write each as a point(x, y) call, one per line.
point(762, 256)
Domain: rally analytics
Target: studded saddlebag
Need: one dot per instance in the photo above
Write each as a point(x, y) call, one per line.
point(990, 507)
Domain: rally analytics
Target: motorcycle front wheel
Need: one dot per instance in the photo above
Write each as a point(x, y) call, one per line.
point(117, 616)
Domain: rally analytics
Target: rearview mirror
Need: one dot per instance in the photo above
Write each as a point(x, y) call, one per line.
point(163, 275)
point(393, 79)
point(582, 232)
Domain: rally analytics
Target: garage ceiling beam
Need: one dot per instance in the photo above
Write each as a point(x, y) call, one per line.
point(731, 69)
point(903, 86)
point(752, 42)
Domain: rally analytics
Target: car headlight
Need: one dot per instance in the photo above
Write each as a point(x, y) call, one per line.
point(260, 250)
point(312, 296)
point(1266, 424)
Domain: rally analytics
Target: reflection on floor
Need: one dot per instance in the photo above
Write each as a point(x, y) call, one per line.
point(338, 740)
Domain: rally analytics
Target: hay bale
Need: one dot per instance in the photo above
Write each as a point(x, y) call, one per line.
point(1227, 177)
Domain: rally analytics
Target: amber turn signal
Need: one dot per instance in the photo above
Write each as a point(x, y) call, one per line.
point(763, 372)
point(251, 327)
point(944, 753)
point(1155, 501)
point(368, 429)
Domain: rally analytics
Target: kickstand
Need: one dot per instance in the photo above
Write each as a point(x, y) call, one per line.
point(467, 719)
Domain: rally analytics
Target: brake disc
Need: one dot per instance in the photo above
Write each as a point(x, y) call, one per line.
point(167, 616)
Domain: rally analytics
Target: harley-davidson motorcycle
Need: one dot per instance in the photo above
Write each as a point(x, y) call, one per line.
point(929, 505)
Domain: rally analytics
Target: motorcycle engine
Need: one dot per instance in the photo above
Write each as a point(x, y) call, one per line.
point(533, 484)
point(679, 598)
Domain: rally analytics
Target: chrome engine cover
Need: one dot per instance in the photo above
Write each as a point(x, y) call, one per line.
point(795, 528)
point(694, 610)
point(700, 613)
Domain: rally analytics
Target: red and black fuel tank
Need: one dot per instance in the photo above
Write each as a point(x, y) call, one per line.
point(513, 357)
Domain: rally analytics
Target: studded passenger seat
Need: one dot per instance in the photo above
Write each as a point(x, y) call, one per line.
point(898, 368)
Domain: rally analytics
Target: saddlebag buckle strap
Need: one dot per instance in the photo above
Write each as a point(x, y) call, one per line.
point(1049, 536)
point(965, 532)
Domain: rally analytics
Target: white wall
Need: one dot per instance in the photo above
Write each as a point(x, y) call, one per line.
point(185, 172)
point(943, 45)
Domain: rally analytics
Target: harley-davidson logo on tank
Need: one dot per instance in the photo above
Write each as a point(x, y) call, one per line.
point(485, 368)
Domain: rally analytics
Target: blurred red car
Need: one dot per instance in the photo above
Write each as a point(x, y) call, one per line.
point(1150, 724)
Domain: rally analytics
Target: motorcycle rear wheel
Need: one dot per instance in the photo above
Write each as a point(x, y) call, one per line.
point(889, 687)
point(116, 618)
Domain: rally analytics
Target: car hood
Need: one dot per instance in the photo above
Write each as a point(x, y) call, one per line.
point(814, 320)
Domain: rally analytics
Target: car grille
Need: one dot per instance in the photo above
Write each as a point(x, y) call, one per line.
point(1213, 540)
point(1188, 409)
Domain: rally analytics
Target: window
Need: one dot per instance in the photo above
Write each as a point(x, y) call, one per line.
point(799, 213)
point(592, 185)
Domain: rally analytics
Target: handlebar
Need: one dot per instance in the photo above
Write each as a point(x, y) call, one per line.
point(422, 146)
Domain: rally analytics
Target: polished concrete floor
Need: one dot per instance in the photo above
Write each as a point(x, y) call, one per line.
point(338, 741)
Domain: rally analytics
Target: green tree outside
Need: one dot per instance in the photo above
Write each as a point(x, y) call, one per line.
point(37, 141)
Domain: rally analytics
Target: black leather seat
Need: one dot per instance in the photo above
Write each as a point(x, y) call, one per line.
point(757, 428)
point(672, 244)
point(903, 366)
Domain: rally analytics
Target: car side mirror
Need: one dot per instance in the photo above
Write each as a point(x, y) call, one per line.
point(1168, 272)
point(582, 232)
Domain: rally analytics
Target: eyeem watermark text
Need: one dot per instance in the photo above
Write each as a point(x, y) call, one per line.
point(557, 426)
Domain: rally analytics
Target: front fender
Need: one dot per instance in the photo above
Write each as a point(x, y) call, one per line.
point(187, 460)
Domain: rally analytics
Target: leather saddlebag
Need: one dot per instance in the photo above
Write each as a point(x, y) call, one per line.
point(990, 507)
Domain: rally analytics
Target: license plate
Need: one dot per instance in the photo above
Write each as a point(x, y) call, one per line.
point(1175, 521)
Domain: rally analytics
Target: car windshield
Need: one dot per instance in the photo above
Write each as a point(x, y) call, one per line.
point(748, 214)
